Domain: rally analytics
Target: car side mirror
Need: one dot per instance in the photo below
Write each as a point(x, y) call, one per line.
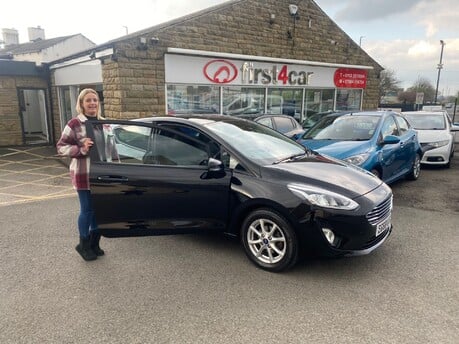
point(214, 165)
point(390, 140)
point(215, 169)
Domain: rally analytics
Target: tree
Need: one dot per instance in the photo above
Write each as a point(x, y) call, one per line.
point(407, 97)
point(423, 85)
point(388, 83)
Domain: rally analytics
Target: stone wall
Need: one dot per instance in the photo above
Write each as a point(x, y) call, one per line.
point(134, 83)
point(10, 121)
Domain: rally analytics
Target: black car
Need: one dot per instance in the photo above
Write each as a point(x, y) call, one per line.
point(167, 175)
point(284, 124)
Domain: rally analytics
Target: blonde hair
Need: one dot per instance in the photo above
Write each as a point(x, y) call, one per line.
point(79, 105)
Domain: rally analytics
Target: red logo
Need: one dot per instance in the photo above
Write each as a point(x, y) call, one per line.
point(220, 71)
point(350, 78)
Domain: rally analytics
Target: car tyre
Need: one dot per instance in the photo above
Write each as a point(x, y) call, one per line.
point(269, 240)
point(415, 169)
point(376, 173)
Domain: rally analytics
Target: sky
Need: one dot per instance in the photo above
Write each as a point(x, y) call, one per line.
point(401, 35)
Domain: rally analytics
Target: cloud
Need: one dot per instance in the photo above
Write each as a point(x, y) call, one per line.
point(364, 10)
point(412, 59)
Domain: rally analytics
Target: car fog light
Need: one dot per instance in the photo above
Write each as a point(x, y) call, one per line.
point(329, 235)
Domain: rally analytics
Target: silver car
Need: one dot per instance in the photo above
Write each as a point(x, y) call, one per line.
point(435, 134)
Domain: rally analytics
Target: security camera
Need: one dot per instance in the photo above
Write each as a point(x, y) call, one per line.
point(293, 9)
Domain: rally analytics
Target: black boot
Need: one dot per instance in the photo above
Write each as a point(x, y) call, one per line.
point(84, 249)
point(94, 239)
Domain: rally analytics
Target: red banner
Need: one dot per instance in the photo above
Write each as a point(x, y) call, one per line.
point(350, 78)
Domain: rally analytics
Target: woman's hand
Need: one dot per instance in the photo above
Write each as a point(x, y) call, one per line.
point(87, 143)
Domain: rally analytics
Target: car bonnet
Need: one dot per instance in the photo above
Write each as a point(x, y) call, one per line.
point(326, 173)
point(336, 148)
point(433, 135)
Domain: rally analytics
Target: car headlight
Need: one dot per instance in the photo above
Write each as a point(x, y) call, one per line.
point(358, 159)
point(323, 198)
point(438, 144)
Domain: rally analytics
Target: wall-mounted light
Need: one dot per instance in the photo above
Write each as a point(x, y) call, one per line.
point(154, 40)
point(293, 9)
point(272, 18)
point(92, 56)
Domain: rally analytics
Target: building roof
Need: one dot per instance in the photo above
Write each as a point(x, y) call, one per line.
point(33, 47)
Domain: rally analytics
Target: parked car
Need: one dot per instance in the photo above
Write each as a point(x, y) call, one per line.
point(311, 119)
point(284, 124)
point(435, 134)
point(224, 174)
point(378, 141)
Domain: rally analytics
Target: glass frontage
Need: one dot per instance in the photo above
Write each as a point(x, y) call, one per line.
point(182, 99)
point(252, 101)
point(347, 99)
point(239, 101)
point(292, 100)
point(319, 101)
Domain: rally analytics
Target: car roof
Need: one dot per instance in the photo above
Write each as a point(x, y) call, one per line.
point(424, 113)
point(199, 118)
point(358, 113)
point(273, 115)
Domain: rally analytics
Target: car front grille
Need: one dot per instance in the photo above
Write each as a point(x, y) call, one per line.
point(381, 212)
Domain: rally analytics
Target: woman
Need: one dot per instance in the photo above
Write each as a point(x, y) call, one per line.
point(74, 144)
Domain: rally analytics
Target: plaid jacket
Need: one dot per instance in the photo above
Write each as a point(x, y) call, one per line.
point(70, 145)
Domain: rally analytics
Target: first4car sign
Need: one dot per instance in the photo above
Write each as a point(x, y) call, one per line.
point(222, 71)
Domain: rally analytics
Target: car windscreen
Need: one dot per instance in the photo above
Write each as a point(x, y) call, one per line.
point(257, 142)
point(427, 122)
point(346, 127)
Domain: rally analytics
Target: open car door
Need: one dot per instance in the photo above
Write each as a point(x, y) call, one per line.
point(152, 180)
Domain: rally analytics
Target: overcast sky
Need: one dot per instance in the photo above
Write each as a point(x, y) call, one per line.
point(402, 35)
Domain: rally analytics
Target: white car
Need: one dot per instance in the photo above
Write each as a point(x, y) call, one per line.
point(435, 134)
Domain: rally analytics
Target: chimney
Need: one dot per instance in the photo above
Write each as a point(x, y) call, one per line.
point(10, 37)
point(36, 34)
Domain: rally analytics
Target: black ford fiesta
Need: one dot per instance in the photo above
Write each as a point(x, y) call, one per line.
point(169, 175)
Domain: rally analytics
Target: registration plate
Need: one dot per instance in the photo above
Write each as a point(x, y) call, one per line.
point(383, 226)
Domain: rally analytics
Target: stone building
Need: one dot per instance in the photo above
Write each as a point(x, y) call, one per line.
point(25, 110)
point(240, 57)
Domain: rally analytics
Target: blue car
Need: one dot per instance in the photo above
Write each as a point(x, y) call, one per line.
point(381, 142)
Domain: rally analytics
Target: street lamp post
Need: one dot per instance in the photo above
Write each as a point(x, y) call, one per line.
point(439, 67)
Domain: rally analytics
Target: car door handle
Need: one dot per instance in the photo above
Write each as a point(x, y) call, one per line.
point(113, 179)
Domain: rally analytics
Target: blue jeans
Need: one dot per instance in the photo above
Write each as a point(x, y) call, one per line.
point(86, 219)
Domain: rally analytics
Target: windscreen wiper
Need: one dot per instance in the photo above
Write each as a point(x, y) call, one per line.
point(294, 157)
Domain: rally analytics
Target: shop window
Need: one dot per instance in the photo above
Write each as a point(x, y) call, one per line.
point(291, 101)
point(348, 99)
point(243, 101)
point(183, 99)
point(319, 101)
point(67, 102)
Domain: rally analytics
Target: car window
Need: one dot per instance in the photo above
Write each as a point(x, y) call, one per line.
point(346, 127)
point(256, 142)
point(130, 141)
point(283, 124)
point(266, 121)
point(389, 127)
point(402, 124)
